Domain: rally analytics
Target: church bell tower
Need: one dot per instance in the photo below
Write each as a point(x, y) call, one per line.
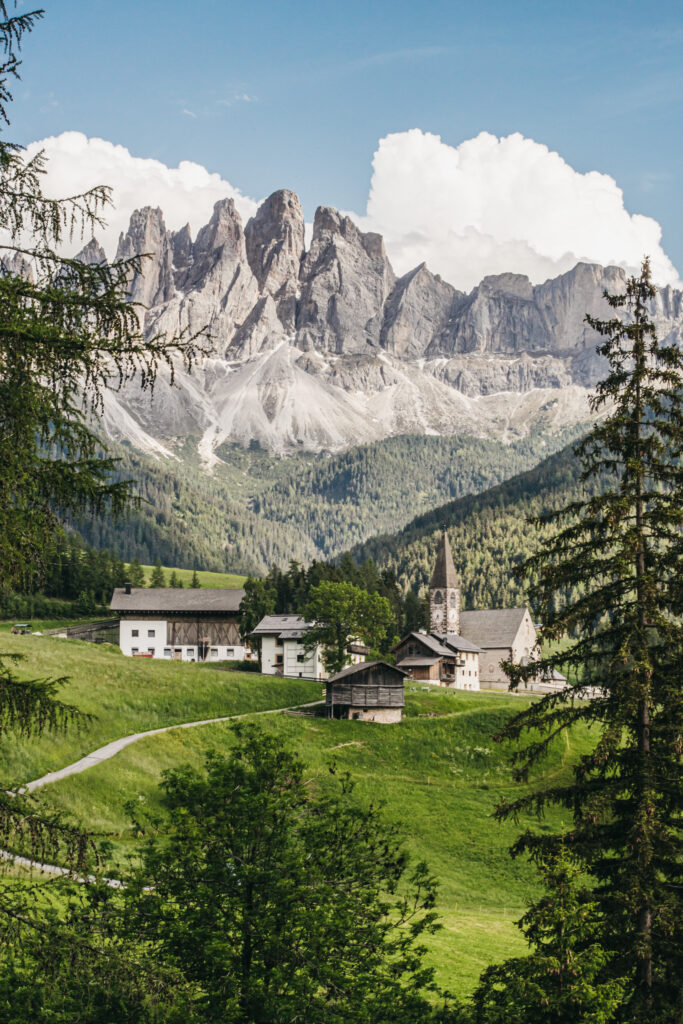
point(444, 592)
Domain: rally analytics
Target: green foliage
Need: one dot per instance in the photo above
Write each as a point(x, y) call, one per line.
point(609, 577)
point(281, 905)
point(562, 980)
point(157, 579)
point(194, 582)
point(489, 535)
point(257, 510)
point(342, 613)
point(135, 574)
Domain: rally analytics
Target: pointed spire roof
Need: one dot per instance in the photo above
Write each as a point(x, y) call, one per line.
point(444, 574)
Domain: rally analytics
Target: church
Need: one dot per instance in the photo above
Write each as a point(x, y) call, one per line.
point(464, 649)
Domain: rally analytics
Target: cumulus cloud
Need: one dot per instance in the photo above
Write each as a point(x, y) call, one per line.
point(486, 206)
point(184, 193)
point(492, 205)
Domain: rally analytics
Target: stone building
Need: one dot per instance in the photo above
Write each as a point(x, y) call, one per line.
point(372, 691)
point(449, 660)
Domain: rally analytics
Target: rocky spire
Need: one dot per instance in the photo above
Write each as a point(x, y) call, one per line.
point(275, 248)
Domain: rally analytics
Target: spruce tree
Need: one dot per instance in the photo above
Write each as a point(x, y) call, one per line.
point(157, 579)
point(609, 579)
point(136, 574)
point(194, 582)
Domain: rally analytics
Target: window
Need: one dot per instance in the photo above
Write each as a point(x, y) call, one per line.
point(214, 652)
point(278, 659)
point(135, 632)
point(150, 650)
point(230, 652)
point(300, 658)
point(133, 650)
point(190, 652)
point(438, 597)
point(151, 633)
point(167, 652)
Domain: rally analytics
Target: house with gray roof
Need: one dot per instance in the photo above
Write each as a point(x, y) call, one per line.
point(184, 624)
point(283, 652)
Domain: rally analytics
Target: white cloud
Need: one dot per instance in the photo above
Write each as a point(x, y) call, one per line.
point(487, 206)
point(184, 193)
point(492, 205)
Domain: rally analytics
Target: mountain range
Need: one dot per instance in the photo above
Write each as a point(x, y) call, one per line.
point(321, 348)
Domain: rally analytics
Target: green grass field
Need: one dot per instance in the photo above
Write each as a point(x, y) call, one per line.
point(228, 580)
point(439, 774)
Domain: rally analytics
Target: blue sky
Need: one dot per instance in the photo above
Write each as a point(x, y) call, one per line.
point(275, 94)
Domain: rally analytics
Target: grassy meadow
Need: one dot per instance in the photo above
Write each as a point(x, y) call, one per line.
point(228, 580)
point(439, 774)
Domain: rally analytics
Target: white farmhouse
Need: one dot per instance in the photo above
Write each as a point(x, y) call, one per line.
point(199, 624)
point(283, 652)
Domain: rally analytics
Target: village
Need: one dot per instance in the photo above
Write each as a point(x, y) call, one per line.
point(463, 649)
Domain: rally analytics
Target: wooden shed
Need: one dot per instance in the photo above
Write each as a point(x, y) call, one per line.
point(372, 691)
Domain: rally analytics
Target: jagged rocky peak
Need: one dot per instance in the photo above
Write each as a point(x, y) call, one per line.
point(346, 279)
point(221, 240)
point(92, 253)
point(147, 235)
point(275, 248)
point(181, 244)
point(417, 311)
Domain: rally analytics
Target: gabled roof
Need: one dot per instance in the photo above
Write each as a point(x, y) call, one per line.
point(459, 643)
point(288, 627)
point(431, 642)
point(352, 670)
point(493, 628)
point(444, 574)
point(176, 600)
point(442, 646)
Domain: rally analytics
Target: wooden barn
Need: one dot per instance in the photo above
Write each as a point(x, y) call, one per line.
point(372, 691)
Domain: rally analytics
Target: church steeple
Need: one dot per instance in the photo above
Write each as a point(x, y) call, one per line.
point(444, 592)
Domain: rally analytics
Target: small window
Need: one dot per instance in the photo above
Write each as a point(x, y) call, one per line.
point(135, 632)
point(214, 652)
point(190, 652)
point(230, 652)
point(167, 652)
point(151, 633)
point(150, 650)
point(301, 658)
point(133, 650)
point(278, 659)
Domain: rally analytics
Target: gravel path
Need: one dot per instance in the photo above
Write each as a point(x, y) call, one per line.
point(108, 751)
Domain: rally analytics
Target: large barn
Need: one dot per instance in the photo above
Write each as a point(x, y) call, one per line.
point(193, 624)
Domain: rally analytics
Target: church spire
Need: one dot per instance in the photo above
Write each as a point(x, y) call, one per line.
point(444, 575)
point(444, 592)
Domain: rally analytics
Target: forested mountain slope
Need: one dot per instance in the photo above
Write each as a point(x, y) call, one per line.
point(489, 533)
point(256, 510)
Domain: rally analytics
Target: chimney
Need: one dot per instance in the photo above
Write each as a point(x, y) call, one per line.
point(127, 588)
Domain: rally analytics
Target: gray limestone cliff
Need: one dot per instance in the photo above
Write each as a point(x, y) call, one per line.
point(326, 347)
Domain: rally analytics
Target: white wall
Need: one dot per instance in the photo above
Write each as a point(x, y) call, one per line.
point(157, 645)
point(287, 657)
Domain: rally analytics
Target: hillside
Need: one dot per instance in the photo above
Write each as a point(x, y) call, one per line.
point(489, 534)
point(255, 509)
point(438, 774)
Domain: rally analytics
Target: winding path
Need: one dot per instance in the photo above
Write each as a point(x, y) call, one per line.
point(108, 751)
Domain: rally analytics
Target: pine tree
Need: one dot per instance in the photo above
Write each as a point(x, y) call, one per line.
point(561, 981)
point(136, 574)
point(610, 580)
point(157, 579)
point(194, 582)
point(173, 581)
